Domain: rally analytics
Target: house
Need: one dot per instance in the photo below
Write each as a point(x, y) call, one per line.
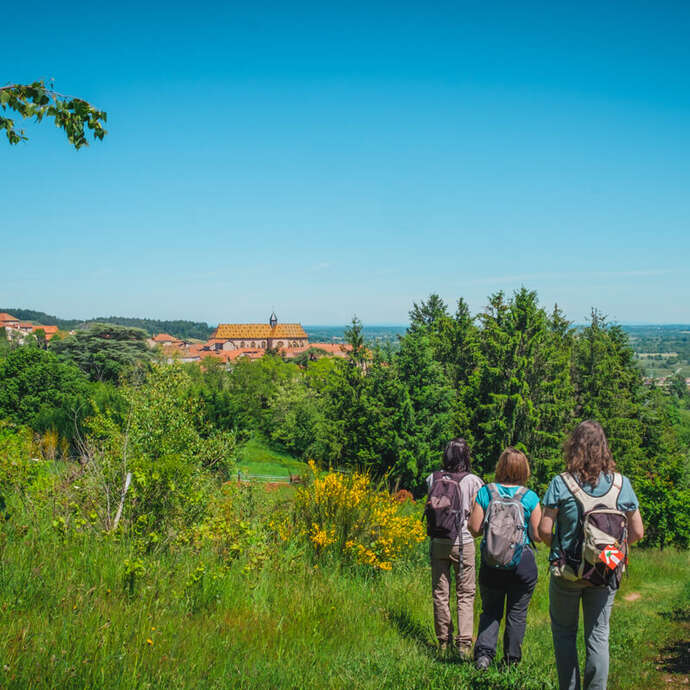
point(259, 336)
point(9, 321)
point(165, 340)
point(319, 350)
point(50, 331)
point(17, 329)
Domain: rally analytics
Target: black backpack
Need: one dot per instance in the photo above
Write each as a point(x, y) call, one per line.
point(444, 511)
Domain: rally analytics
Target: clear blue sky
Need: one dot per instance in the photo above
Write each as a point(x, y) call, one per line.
point(327, 159)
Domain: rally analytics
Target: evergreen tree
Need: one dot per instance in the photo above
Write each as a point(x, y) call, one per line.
point(103, 351)
point(432, 399)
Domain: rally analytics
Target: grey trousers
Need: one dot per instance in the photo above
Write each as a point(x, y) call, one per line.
point(518, 598)
point(564, 608)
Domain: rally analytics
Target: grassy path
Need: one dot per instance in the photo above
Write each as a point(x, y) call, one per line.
point(67, 621)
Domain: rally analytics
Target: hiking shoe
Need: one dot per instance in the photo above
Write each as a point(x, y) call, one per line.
point(482, 663)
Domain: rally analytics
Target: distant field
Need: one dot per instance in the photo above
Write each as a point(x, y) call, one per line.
point(255, 457)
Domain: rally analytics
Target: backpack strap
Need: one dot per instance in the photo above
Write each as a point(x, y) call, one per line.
point(588, 502)
point(583, 499)
point(493, 491)
point(520, 493)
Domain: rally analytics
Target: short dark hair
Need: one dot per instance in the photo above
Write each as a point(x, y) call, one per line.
point(512, 467)
point(457, 456)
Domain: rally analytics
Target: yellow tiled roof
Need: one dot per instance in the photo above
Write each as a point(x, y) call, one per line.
point(230, 331)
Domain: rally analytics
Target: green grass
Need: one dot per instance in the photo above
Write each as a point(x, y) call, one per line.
point(256, 457)
point(68, 621)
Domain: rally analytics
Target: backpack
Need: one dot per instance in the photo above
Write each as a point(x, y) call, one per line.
point(444, 511)
point(504, 529)
point(600, 552)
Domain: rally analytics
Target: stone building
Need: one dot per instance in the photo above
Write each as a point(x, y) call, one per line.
point(260, 336)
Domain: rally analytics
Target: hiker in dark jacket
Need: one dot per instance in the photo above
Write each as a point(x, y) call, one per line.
point(590, 576)
point(507, 514)
point(454, 551)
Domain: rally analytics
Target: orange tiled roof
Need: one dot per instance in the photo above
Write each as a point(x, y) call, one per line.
point(232, 331)
point(335, 349)
point(7, 317)
point(48, 330)
point(197, 349)
point(165, 338)
point(332, 347)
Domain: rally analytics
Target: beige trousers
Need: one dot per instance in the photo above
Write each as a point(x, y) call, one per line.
point(445, 556)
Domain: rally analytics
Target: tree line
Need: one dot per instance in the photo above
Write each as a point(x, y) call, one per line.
point(513, 374)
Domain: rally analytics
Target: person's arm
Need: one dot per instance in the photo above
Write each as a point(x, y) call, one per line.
point(546, 524)
point(534, 519)
point(635, 527)
point(474, 524)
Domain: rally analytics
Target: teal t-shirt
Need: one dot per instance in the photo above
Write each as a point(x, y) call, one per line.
point(558, 496)
point(529, 501)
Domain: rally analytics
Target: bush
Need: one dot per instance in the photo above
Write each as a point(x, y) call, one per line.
point(345, 514)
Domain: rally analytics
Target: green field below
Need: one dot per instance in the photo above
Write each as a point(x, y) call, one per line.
point(72, 618)
point(256, 458)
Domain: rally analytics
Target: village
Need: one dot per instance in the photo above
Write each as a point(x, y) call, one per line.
point(232, 341)
point(228, 343)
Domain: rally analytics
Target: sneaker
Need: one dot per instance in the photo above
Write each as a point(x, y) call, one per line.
point(482, 663)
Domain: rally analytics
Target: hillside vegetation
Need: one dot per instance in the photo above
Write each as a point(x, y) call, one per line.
point(81, 610)
point(176, 327)
point(130, 556)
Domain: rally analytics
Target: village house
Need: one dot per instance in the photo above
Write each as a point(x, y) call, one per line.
point(165, 340)
point(9, 321)
point(17, 329)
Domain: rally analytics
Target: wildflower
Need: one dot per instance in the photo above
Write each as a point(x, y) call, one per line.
point(149, 641)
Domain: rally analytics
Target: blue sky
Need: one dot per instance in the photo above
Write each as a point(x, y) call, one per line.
point(325, 159)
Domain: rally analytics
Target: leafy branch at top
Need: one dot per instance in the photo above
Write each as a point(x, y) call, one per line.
point(36, 100)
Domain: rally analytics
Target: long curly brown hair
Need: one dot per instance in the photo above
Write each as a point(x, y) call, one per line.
point(587, 452)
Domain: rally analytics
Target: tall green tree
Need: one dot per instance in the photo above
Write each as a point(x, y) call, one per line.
point(432, 399)
point(103, 351)
point(40, 391)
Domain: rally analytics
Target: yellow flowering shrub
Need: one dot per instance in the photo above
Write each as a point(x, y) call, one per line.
point(345, 514)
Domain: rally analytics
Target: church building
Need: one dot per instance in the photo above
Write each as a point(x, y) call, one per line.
point(261, 336)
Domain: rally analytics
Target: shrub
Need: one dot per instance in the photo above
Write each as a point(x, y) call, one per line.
point(345, 514)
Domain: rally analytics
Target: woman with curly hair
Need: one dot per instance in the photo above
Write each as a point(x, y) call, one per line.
point(588, 501)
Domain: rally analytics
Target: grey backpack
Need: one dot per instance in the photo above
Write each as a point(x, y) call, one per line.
point(504, 529)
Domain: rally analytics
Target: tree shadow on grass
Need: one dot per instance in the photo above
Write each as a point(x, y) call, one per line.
point(680, 614)
point(412, 630)
point(675, 658)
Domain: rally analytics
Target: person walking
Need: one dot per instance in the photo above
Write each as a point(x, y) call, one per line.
point(591, 514)
point(451, 493)
point(507, 514)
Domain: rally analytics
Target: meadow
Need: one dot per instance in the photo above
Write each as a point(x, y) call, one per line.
point(83, 609)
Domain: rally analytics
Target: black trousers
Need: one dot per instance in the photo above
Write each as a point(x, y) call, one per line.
point(504, 591)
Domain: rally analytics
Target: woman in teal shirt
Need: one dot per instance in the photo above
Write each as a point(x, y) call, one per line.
point(589, 462)
point(501, 588)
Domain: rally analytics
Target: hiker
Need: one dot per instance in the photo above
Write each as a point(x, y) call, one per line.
point(507, 514)
point(451, 493)
point(596, 515)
